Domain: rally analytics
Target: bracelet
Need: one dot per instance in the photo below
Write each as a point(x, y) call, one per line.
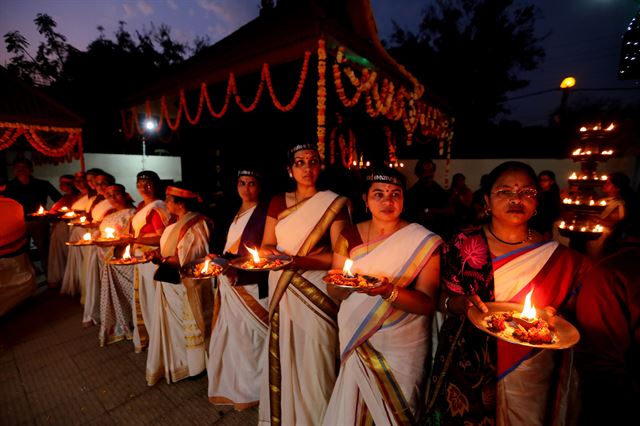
point(446, 304)
point(393, 295)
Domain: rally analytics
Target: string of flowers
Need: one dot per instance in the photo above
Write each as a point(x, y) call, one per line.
point(9, 137)
point(347, 153)
point(30, 131)
point(34, 139)
point(382, 98)
point(322, 97)
point(130, 127)
point(391, 145)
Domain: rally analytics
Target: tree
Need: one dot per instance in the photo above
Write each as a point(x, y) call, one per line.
point(469, 54)
point(50, 57)
point(94, 82)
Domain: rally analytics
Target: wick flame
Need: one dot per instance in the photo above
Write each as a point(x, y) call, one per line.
point(346, 269)
point(64, 208)
point(70, 214)
point(87, 236)
point(41, 210)
point(83, 219)
point(254, 254)
point(529, 311)
point(127, 252)
point(205, 266)
point(109, 232)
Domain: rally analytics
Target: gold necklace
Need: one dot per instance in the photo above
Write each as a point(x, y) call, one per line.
point(241, 213)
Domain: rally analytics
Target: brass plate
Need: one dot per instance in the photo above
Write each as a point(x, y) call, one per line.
point(286, 260)
point(567, 335)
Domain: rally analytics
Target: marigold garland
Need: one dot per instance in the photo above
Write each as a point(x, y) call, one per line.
point(12, 131)
point(381, 98)
point(322, 97)
point(130, 127)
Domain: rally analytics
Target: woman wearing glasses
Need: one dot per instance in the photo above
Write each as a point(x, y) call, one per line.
point(477, 378)
point(302, 338)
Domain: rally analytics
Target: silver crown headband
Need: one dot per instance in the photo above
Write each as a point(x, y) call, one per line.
point(248, 173)
point(303, 146)
point(377, 177)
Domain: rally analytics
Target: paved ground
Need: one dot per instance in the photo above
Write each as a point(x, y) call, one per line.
point(52, 371)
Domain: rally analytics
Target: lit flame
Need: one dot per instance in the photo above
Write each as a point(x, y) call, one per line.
point(598, 228)
point(573, 176)
point(591, 202)
point(529, 311)
point(127, 252)
point(603, 203)
point(346, 269)
point(205, 266)
point(83, 219)
point(87, 236)
point(562, 224)
point(70, 214)
point(571, 227)
point(604, 177)
point(583, 129)
point(109, 232)
point(610, 128)
point(567, 200)
point(588, 152)
point(64, 208)
point(41, 210)
point(577, 152)
point(583, 229)
point(254, 254)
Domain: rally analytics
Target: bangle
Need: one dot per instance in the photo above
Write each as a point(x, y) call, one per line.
point(446, 304)
point(393, 295)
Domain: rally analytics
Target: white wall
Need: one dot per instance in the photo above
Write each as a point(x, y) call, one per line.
point(474, 169)
point(124, 167)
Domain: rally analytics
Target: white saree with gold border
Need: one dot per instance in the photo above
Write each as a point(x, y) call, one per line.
point(176, 339)
point(300, 357)
point(383, 350)
point(144, 287)
point(237, 336)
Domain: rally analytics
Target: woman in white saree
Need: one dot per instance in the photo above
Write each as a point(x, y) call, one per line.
point(93, 256)
point(301, 352)
point(240, 315)
point(71, 282)
point(148, 224)
point(177, 336)
point(477, 378)
point(116, 289)
point(384, 332)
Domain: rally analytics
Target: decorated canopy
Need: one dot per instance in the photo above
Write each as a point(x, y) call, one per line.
point(50, 128)
point(339, 58)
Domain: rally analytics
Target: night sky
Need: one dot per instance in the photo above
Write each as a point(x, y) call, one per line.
point(583, 35)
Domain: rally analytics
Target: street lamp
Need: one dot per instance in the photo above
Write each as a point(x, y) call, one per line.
point(566, 86)
point(150, 125)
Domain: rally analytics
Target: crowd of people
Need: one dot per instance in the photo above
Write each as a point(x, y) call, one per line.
point(310, 353)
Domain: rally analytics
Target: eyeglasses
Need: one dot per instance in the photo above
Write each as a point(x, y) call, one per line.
point(507, 194)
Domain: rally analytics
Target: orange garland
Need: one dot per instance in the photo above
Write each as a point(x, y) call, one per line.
point(30, 131)
point(383, 99)
point(134, 124)
point(322, 97)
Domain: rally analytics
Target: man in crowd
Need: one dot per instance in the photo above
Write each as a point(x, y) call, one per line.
point(32, 193)
point(427, 201)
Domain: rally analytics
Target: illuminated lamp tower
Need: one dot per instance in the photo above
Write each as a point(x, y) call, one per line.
point(582, 208)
